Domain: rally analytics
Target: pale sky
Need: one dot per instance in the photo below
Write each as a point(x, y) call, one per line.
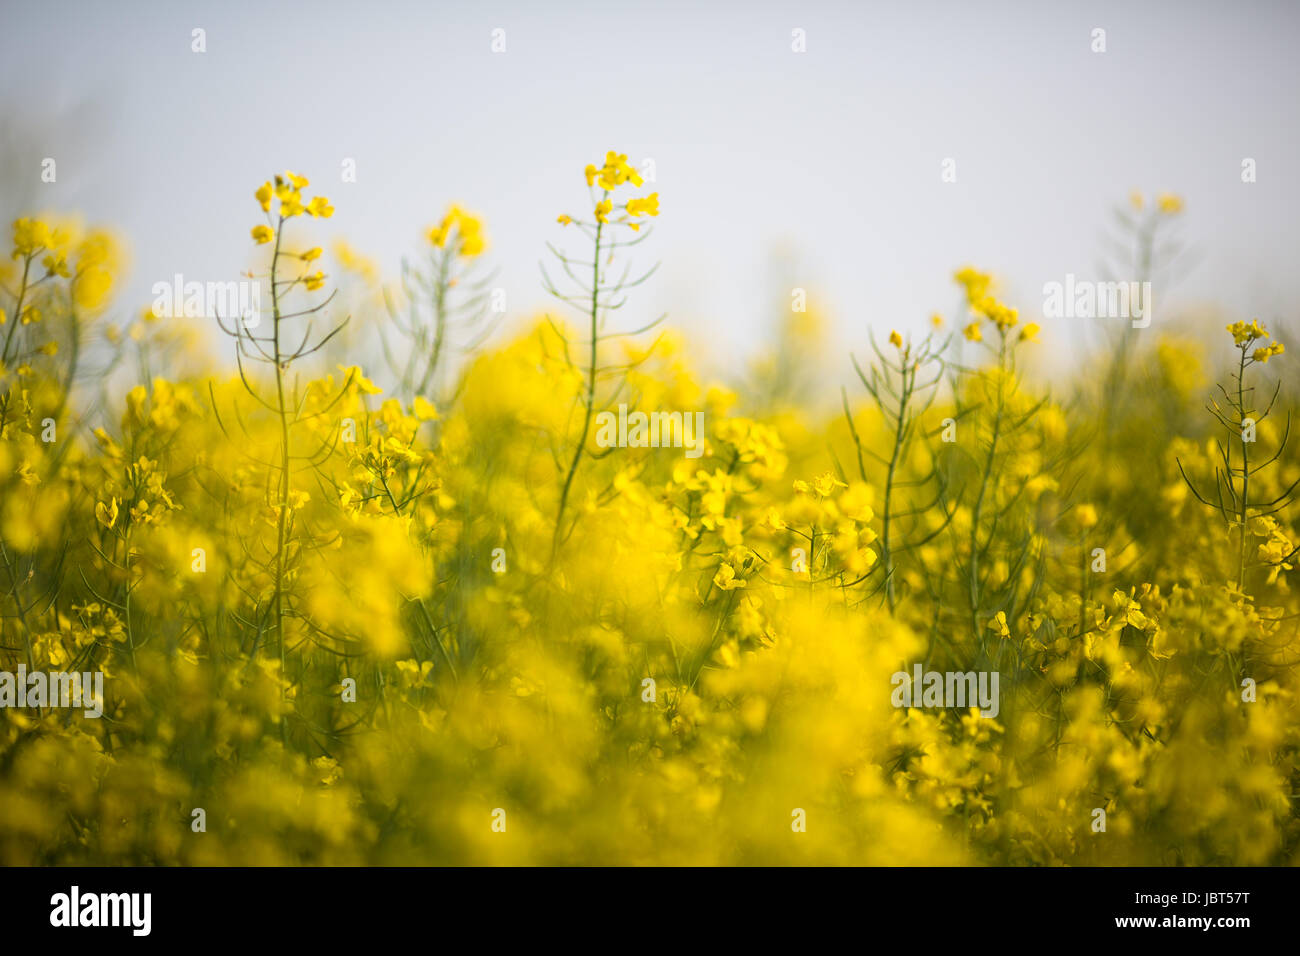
point(834, 153)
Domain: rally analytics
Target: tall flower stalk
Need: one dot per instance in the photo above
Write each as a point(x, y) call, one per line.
point(273, 349)
point(1240, 415)
point(602, 290)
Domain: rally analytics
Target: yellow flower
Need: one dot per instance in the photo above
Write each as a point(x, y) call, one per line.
point(30, 235)
point(603, 209)
point(1002, 316)
point(608, 178)
point(106, 514)
point(263, 234)
point(564, 220)
point(974, 282)
point(353, 372)
point(1243, 334)
point(614, 173)
point(320, 207)
point(314, 281)
point(1268, 351)
point(973, 332)
point(424, 409)
point(1169, 203)
point(998, 624)
point(263, 196)
point(290, 196)
point(895, 339)
point(468, 229)
point(1030, 332)
point(472, 240)
point(936, 320)
point(726, 579)
point(1086, 515)
point(772, 519)
point(328, 770)
point(826, 484)
point(312, 254)
point(56, 264)
point(649, 206)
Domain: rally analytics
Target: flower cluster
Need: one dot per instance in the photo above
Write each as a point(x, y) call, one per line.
point(287, 190)
point(461, 232)
point(615, 172)
point(977, 286)
point(1245, 335)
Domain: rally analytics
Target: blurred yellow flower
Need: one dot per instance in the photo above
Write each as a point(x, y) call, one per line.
point(320, 206)
point(1268, 351)
point(464, 229)
point(649, 206)
point(1169, 203)
point(424, 409)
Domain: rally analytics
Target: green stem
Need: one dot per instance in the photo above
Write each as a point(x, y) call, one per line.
point(428, 618)
point(9, 337)
point(888, 554)
point(440, 322)
point(282, 523)
point(591, 391)
point(1245, 472)
point(18, 309)
point(977, 509)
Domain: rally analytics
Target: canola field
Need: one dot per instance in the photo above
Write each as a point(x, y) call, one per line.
point(372, 577)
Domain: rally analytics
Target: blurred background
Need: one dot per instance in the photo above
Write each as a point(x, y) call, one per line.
point(820, 169)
